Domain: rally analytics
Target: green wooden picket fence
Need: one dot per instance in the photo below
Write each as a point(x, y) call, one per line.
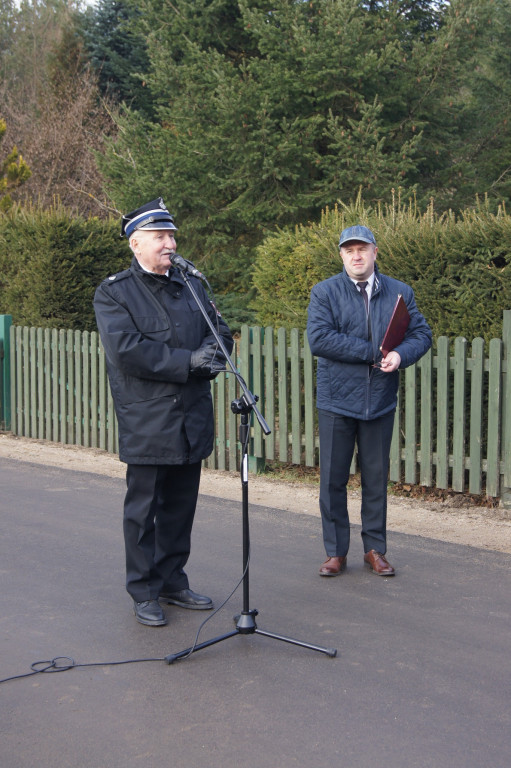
point(452, 428)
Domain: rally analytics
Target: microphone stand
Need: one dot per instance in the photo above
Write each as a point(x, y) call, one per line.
point(245, 406)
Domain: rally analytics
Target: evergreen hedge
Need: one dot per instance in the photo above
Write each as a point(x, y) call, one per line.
point(51, 263)
point(458, 266)
point(70, 256)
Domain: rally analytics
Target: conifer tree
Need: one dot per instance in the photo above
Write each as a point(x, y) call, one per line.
point(268, 111)
point(480, 148)
point(117, 52)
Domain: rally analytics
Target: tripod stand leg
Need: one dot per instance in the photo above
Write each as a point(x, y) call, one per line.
point(187, 651)
point(252, 629)
point(328, 651)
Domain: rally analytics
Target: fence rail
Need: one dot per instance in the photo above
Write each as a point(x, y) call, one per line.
point(452, 425)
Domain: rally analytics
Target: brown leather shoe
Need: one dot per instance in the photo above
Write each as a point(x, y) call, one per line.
point(378, 563)
point(333, 566)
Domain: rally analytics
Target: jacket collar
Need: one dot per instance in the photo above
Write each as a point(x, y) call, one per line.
point(377, 279)
point(154, 280)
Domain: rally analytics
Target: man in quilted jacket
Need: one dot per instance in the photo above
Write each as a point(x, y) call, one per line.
point(357, 392)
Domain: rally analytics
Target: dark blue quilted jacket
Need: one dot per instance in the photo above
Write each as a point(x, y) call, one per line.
point(338, 334)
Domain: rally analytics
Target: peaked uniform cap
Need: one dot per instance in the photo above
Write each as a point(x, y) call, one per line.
point(357, 232)
point(153, 215)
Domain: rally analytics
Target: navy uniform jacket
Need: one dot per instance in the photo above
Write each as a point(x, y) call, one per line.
point(149, 325)
point(338, 334)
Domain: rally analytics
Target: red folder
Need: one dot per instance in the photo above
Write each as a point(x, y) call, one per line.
point(396, 328)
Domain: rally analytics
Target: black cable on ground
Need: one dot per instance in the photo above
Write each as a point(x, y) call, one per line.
point(55, 665)
point(65, 663)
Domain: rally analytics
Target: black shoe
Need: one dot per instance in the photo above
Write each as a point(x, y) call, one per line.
point(185, 598)
point(149, 612)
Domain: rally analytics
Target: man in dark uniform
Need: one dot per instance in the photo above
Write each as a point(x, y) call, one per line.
point(161, 356)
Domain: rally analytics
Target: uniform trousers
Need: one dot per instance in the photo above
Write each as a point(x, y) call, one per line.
point(159, 508)
point(337, 437)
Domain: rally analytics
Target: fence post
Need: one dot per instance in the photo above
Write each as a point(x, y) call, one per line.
point(5, 371)
point(505, 494)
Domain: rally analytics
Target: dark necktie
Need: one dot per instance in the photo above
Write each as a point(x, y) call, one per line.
point(362, 288)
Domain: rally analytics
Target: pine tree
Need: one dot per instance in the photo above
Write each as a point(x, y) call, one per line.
point(480, 150)
point(266, 112)
point(117, 51)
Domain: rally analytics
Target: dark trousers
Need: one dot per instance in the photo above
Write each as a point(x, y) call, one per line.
point(159, 508)
point(337, 436)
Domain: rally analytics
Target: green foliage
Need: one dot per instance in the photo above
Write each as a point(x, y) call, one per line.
point(117, 51)
point(480, 148)
point(267, 112)
point(459, 267)
point(13, 172)
point(248, 116)
point(252, 116)
point(51, 263)
point(235, 310)
point(285, 271)
point(465, 140)
point(70, 256)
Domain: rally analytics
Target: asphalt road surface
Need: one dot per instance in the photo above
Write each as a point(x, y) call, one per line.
point(421, 678)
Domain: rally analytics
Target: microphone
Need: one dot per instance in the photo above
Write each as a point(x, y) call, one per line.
point(185, 266)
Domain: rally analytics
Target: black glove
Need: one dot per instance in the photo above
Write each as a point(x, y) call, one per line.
point(207, 361)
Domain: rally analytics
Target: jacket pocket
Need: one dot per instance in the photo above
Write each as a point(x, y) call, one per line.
point(130, 389)
point(148, 324)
